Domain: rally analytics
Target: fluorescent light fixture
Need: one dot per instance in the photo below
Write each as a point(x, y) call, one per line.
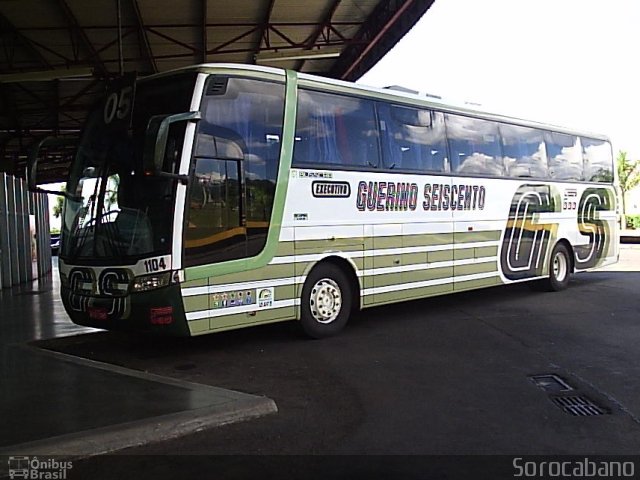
point(270, 57)
point(46, 75)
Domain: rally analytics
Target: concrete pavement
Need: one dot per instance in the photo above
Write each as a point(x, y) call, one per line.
point(52, 403)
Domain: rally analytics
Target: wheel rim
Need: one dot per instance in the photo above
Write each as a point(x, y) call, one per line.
point(325, 301)
point(560, 266)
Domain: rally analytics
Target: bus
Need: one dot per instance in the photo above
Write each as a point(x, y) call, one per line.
point(223, 196)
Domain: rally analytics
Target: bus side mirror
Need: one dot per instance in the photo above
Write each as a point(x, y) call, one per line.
point(34, 156)
point(155, 145)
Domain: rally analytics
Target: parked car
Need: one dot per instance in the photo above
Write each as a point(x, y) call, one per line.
point(55, 243)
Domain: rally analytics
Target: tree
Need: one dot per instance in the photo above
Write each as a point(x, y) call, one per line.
point(628, 178)
point(57, 208)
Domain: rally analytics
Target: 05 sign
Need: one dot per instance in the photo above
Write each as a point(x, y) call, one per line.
point(118, 105)
point(117, 108)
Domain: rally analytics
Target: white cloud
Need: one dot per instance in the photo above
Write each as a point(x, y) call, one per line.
point(572, 62)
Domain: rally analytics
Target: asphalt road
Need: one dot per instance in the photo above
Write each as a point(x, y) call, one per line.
point(448, 375)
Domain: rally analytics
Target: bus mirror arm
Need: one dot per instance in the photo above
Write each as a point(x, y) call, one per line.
point(32, 161)
point(183, 179)
point(157, 135)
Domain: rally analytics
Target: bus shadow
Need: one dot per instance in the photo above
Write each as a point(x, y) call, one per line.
point(135, 350)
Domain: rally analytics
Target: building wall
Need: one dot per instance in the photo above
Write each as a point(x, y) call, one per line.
point(25, 244)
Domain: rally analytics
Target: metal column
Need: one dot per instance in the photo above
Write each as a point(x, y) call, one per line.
point(16, 239)
point(5, 252)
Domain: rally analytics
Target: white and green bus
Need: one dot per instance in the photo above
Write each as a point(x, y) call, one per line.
point(224, 196)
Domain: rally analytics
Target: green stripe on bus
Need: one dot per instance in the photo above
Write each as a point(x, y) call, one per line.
point(486, 251)
point(481, 236)
point(464, 254)
point(285, 249)
point(240, 319)
point(473, 284)
point(412, 293)
point(196, 303)
point(284, 292)
point(303, 268)
point(427, 239)
point(400, 278)
point(320, 246)
point(394, 241)
point(412, 258)
point(484, 267)
point(381, 243)
point(440, 256)
point(200, 326)
point(204, 325)
point(269, 272)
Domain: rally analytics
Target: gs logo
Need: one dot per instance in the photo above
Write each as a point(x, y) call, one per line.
point(593, 201)
point(526, 239)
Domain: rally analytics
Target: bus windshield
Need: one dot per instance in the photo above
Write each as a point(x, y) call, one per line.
point(114, 213)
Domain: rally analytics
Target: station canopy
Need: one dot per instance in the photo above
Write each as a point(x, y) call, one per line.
point(57, 55)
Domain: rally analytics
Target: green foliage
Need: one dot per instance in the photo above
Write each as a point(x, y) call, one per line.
point(628, 175)
point(633, 221)
point(57, 208)
point(628, 172)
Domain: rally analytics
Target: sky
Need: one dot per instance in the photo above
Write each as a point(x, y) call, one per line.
point(573, 63)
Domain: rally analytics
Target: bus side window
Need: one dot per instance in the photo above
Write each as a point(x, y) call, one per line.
point(235, 167)
point(565, 157)
point(474, 145)
point(335, 130)
point(524, 151)
point(598, 160)
point(413, 139)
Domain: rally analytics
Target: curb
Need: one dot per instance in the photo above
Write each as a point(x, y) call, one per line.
point(226, 407)
point(117, 437)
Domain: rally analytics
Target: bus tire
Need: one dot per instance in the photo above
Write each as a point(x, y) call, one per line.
point(326, 301)
point(559, 268)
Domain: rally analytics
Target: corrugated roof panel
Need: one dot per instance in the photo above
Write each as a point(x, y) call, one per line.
point(299, 12)
point(160, 35)
point(354, 10)
point(100, 13)
point(158, 12)
point(238, 11)
point(32, 13)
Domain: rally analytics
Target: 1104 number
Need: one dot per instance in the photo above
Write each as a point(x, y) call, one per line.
point(155, 265)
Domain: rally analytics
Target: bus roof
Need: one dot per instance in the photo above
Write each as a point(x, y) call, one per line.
point(404, 96)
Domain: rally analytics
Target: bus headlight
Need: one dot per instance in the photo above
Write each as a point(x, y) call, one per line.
point(151, 282)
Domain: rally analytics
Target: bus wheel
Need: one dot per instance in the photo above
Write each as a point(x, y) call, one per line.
point(559, 268)
point(326, 301)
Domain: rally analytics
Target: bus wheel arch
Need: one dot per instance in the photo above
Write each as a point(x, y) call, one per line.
point(329, 296)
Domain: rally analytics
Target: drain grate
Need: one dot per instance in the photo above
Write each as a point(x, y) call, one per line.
point(578, 406)
point(551, 383)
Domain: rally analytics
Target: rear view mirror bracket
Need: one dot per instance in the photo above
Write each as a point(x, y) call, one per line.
point(32, 162)
point(156, 142)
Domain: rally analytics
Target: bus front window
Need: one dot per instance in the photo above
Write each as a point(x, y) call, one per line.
point(114, 213)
